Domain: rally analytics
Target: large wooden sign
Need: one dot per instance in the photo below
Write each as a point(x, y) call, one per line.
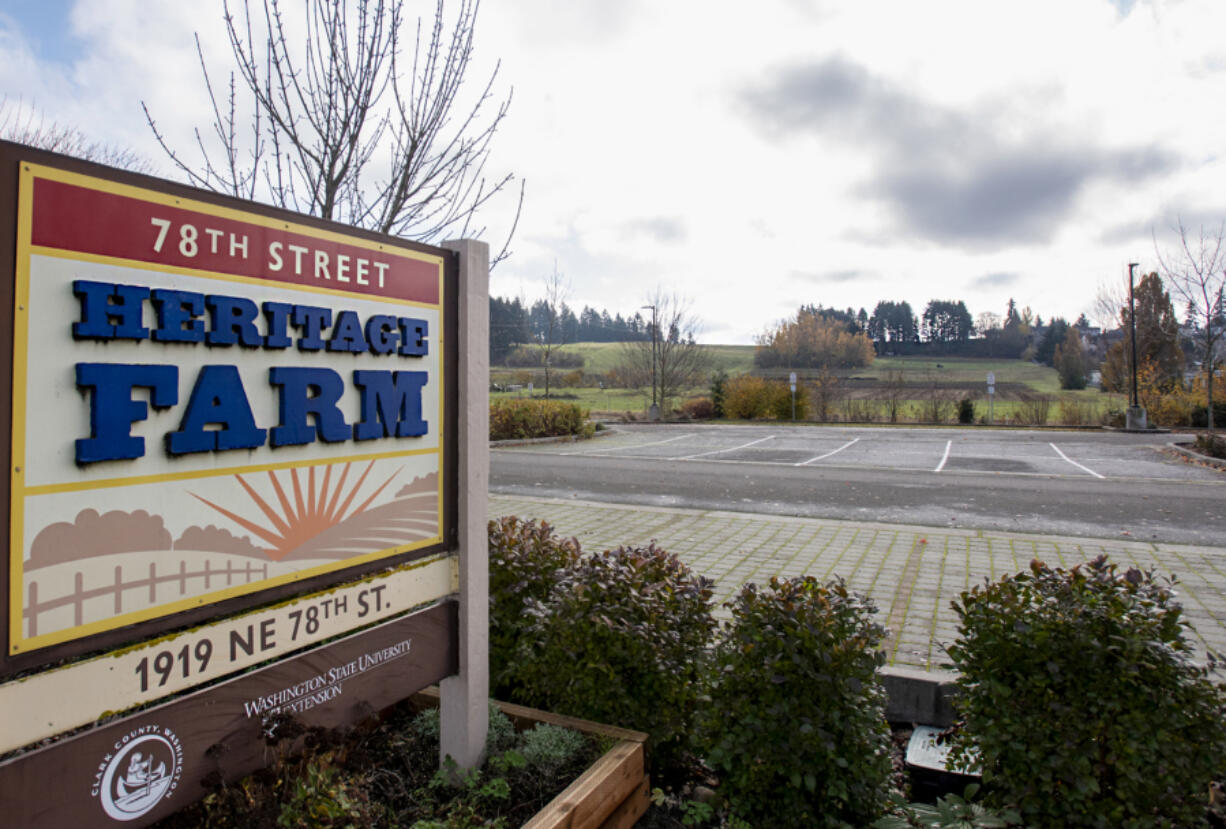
point(214, 405)
point(232, 436)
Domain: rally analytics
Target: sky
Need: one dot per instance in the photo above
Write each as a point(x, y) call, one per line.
point(750, 158)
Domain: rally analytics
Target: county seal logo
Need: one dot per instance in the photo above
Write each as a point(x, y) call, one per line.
point(143, 768)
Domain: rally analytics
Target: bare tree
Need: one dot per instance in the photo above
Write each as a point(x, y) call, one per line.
point(1111, 296)
point(29, 126)
point(339, 127)
point(671, 356)
point(1195, 270)
point(547, 328)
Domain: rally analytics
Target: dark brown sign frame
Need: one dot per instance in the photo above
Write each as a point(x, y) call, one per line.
point(11, 157)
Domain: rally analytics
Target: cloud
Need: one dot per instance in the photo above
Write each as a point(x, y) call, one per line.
point(947, 176)
point(663, 229)
point(995, 280)
point(831, 277)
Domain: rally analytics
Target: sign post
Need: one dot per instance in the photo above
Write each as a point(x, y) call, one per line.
point(792, 383)
point(991, 394)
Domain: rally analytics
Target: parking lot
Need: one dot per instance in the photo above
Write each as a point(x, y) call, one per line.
point(1087, 454)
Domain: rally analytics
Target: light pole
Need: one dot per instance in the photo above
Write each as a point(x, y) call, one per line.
point(1132, 326)
point(1135, 418)
point(653, 356)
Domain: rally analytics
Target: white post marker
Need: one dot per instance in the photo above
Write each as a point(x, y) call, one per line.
point(792, 383)
point(991, 393)
point(464, 698)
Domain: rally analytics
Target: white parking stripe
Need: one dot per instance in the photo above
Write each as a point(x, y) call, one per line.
point(1073, 462)
point(828, 454)
point(635, 446)
point(721, 451)
point(948, 445)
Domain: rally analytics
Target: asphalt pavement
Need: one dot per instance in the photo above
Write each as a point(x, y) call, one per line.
point(1074, 483)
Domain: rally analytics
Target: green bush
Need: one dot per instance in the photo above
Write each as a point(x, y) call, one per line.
point(966, 410)
point(1212, 445)
point(522, 419)
point(796, 728)
point(525, 560)
point(698, 408)
point(718, 393)
point(1079, 692)
point(622, 639)
point(747, 397)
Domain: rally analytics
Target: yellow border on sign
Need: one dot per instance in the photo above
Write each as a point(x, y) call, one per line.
point(18, 643)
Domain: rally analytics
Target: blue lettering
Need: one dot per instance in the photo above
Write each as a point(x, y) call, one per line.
point(110, 311)
point(112, 411)
point(217, 398)
point(391, 404)
point(347, 334)
point(312, 321)
point(233, 321)
point(413, 337)
point(177, 312)
point(308, 391)
point(382, 333)
point(277, 314)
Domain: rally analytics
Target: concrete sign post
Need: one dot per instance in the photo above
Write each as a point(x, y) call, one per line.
point(222, 409)
point(991, 394)
point(464, 698)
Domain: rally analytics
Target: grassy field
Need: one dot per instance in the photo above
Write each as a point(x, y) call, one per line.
point(954, 377)
point(602, 357)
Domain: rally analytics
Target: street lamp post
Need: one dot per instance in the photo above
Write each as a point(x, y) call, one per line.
point(654, 408)
point(1132, 326)
point(1135, 419)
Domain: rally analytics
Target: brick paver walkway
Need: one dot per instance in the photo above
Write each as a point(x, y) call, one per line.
point(913, 573)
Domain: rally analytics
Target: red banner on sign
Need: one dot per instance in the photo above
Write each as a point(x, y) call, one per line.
point(81, 219)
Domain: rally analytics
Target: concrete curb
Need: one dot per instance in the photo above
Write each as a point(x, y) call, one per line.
point(499, 444)
point(918, 696)
point(1192, 455)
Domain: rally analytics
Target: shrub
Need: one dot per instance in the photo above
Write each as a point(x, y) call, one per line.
point(1074, 412)
point(526, 559)
point(1079, 692)
point(548, 748)
point(796, 727)
point(622, 638)
point(966, 410)
point(933, 409)
point(520, 419)
point(573, 379)
point(1032, 411)
point(1212, 445)
point(782, 403)
point(747, 397)
point(718, 391)
point(698, 408)
point(1199, 415)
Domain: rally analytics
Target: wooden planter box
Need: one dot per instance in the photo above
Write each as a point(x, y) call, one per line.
point(613, 793)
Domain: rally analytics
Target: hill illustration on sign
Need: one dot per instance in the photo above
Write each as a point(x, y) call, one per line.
point(99, 565)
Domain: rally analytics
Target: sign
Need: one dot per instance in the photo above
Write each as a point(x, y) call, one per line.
point(53, 701)
point(139, 769)
point(991, 378)
point(233, 434)
point(792, 381)
point(214, 405)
